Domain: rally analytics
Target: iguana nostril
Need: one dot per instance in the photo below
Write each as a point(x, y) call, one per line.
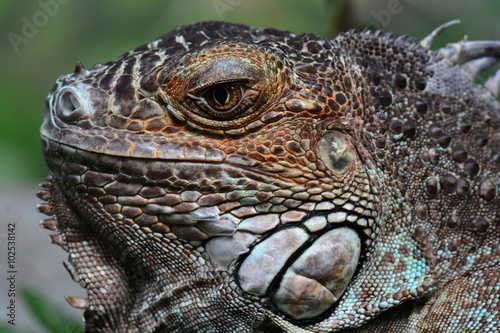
point(69, 107)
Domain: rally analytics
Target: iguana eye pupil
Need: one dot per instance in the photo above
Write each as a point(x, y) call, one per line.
point(221, 95)
point(224, 99)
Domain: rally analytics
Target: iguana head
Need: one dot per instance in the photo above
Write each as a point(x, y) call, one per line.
point(233, 179)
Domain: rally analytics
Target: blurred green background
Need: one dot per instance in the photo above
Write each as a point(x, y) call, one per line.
point(42, 39)
point(91, 31)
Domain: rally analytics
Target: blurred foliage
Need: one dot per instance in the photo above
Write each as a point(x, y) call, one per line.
point(65, 31)
point(50, 317)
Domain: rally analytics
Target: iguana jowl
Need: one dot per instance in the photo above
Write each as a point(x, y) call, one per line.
point(225, 178)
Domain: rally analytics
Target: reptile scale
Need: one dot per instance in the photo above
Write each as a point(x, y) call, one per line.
point(225, 178)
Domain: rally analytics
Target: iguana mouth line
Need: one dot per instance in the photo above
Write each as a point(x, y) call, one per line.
point(247, 169)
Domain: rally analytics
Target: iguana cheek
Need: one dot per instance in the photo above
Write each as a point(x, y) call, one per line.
point(268, 258)
point(302, 277)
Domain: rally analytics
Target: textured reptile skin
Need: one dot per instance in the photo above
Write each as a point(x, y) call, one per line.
point(225, 178)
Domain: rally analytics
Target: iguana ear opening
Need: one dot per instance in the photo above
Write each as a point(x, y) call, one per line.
point(336, 152)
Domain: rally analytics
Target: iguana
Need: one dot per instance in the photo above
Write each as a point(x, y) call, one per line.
point(226, 178)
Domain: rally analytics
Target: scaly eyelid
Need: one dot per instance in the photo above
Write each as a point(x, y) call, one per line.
point(245, 83)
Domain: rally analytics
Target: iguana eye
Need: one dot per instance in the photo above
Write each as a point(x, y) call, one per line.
point(223, 87)
point(222, 100)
